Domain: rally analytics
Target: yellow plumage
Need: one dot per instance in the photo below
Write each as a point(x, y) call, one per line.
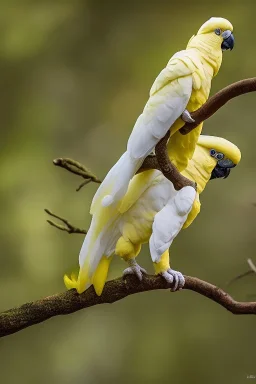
point(100, 275)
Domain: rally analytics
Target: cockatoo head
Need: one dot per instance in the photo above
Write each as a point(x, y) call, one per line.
point(224, 155)
point(219, 30)
point(214, 36)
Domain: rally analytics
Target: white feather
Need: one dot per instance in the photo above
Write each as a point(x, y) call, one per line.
point(93, 249)
point(161, 111)
point(169, 221)
point(115, 184)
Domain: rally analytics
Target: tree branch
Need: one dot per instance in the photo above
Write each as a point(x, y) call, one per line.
point(16, 319)
point(218, 100)
point(168, 169)
point(162, 162)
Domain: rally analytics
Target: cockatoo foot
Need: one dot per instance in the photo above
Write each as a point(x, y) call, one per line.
point(134, 269)
point(187, 117)
point(172, 276)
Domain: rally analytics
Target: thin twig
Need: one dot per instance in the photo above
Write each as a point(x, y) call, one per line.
point(16, 319)
point(247, 273)
point(251, 265)
point(68, 226)
point(78, 169)
point(83, 184)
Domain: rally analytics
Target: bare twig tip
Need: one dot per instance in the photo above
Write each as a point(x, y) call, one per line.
point(251, 265)
point(68, 227)
point(57, 161)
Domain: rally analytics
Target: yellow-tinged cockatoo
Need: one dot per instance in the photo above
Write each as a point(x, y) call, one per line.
point(152, 210)
point(181, 87)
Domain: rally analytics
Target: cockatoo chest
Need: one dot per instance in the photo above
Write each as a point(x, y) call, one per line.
point(200, 90)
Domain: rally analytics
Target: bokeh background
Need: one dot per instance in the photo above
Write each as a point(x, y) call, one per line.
point(74, 76)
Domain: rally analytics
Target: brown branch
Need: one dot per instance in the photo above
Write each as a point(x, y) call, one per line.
point(149, 163)
point(16, 319)
point(168, 169)
point(162, 162)
point(218, 100)
point(68, 226)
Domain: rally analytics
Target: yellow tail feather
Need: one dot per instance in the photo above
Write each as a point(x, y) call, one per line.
point(80, 282)
point(70, 282)
point(100, 276)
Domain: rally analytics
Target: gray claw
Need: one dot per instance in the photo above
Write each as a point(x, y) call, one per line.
point(187, 117)
point(175, 277)
point(135, 269)
point(168, 278)
point(178, 278)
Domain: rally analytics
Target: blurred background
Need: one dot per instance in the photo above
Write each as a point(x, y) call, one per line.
point(74, 76)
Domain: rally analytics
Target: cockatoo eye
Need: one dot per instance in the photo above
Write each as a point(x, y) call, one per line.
point(212, 152)
point(217, 31)
point(219, 156)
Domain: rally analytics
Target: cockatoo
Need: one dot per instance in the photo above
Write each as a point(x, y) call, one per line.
point(180, 88)
point(152, 210)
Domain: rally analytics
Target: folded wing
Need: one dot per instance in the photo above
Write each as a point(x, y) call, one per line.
point(169, 221)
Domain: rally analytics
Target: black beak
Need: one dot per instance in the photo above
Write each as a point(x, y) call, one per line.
point(222, 169)
point(226, 163)
point(228, 43)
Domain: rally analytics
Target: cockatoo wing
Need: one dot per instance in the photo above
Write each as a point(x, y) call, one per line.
point(181, 64)
point(169, 97)
point(169, 221)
